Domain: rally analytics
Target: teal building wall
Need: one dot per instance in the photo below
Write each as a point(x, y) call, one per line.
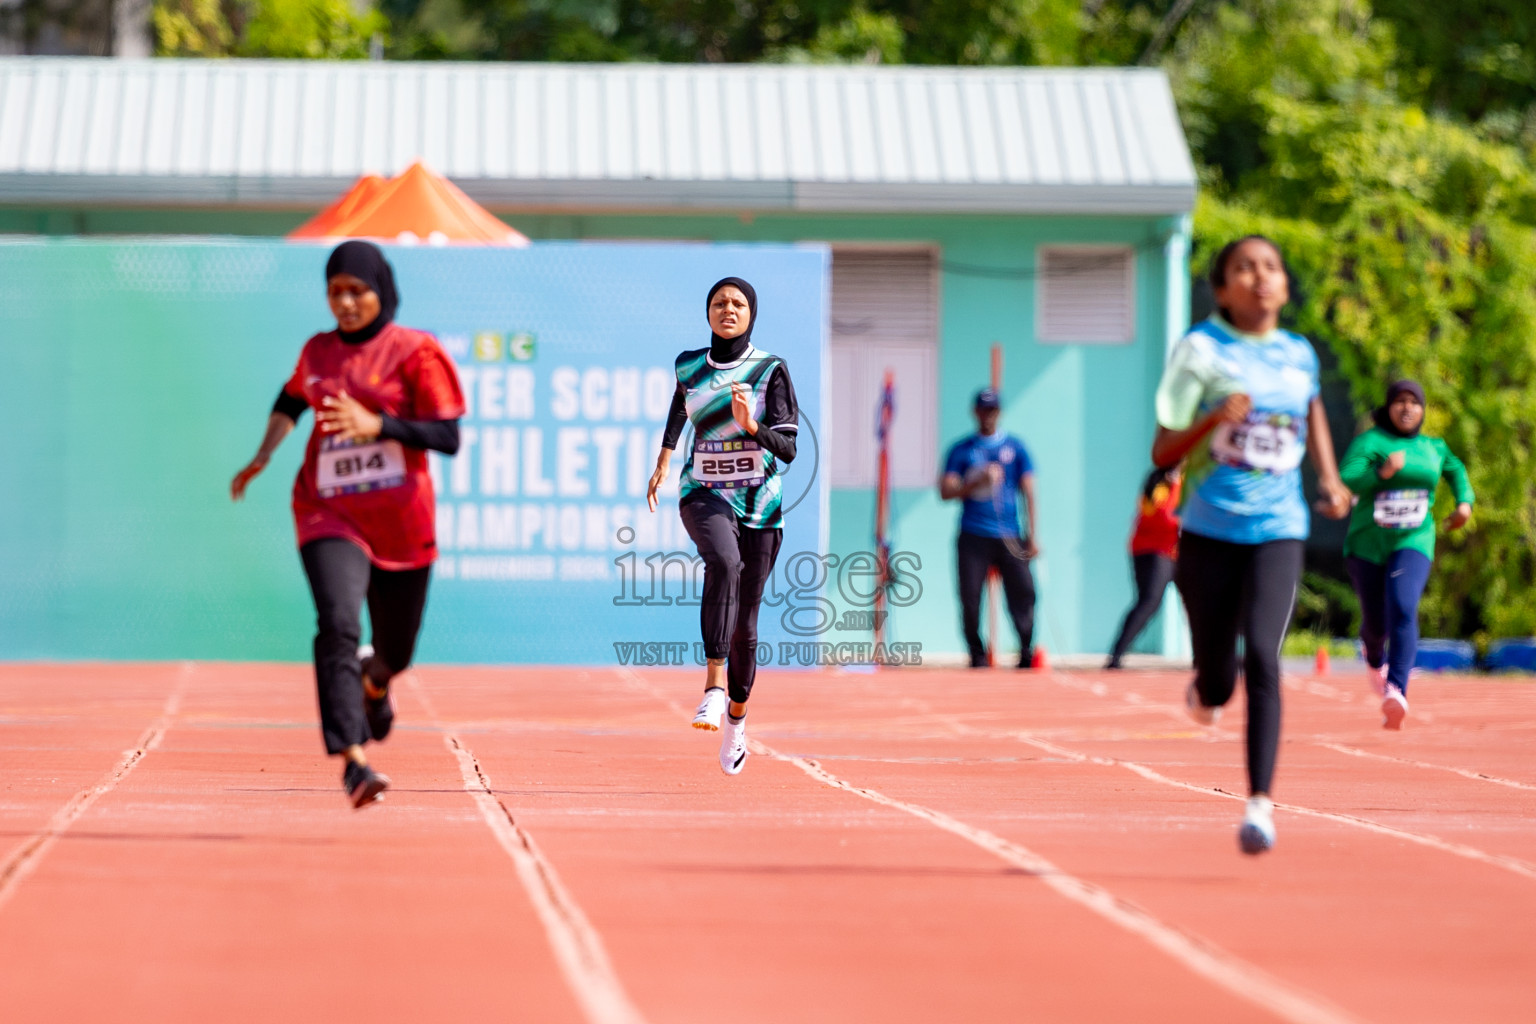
point(1084, 411)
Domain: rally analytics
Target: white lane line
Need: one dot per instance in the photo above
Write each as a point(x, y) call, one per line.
point(1465, 772)
point(1203, 958)
point(25, 859)
point(1513, 864)
point(1317, 688)
point(638, 681)
point(578, 949)
point(1327, 691)
point(1238, 977)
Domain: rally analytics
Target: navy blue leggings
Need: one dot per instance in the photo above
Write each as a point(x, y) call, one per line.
point(1389, 607)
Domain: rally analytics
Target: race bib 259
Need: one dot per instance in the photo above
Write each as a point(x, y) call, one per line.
point(728, 464)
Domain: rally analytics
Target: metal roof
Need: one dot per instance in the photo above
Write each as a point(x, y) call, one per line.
point(595, 136)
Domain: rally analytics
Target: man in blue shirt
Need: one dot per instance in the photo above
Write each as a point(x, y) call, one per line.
point(986, 472)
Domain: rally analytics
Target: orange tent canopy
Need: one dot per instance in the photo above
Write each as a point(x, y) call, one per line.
point(416, 205)
point(323, 224)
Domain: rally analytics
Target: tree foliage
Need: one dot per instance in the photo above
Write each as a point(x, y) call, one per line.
point(1395, 289)
point(1414, 235)
point(1473, 57)
point(908, 31)
point(295, 29)
point(56, 26)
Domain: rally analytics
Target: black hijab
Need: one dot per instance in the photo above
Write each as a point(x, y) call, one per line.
point(728, 350)
point(365, 261)
point(1383, 418)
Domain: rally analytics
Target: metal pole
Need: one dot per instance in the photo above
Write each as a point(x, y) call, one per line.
point(994, 580)
point(883, 507)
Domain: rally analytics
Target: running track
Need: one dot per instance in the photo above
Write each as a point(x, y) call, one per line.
point(913, 846)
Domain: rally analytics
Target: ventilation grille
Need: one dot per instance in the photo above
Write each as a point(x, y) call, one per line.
point(884, 317)
point(883, 296)
point(1086, 295)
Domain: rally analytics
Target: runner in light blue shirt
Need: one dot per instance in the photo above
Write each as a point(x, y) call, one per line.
point(1239, 400)
point(1245, 486)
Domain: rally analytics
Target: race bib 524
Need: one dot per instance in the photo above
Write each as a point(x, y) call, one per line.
point(1401, 510)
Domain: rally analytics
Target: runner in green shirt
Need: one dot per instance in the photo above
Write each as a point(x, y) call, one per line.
point(1394, 471)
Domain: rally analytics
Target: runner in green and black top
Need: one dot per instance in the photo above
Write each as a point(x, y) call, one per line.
point(1394, 471)
point(742, 405)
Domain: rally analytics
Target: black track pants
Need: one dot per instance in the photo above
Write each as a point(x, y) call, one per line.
point(1153, 574)
point(737, 564)
point(974, 556)
point(1247, 589)
point(341, 578)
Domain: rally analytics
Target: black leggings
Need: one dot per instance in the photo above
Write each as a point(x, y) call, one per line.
point(974, 556)
point(737, 564)
point(1153, 574)
point(1249, 589)
point(341, 577)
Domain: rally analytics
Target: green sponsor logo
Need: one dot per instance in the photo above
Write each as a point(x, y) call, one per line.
point(521, 347)
point(494, 346)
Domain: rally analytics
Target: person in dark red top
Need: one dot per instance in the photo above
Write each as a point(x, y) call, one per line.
point(1154, 550)
point(362, 503)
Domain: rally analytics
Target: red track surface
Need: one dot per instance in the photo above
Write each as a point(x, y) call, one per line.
point(911, 846)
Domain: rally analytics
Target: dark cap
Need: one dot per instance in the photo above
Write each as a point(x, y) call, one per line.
point(986, 398)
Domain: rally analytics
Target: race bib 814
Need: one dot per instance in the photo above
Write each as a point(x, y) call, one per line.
point(349, 467)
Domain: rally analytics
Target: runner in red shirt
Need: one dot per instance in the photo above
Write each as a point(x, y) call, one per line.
point(1154, 550)
point(362, 503)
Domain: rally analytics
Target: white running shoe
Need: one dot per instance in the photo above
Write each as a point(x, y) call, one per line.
point(1377, 678)
point(733, 747)
point(1257, 833)
point(1394, 708)
point(1201, 713)
point(710, 709)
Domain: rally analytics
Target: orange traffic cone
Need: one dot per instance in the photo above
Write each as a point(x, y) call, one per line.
point(1040, 661)
point(1321, 667)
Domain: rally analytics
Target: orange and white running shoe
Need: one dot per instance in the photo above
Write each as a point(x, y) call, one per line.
point(710, 709)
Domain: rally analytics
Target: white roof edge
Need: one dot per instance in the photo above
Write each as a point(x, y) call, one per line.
point(648, 196)
point(910, 138)
point(1115, 199)
point(669, 67)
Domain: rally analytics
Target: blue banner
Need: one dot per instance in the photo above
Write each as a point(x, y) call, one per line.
point(140, 375)
point(566, 352)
